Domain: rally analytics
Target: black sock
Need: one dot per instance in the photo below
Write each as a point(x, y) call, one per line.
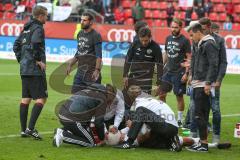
point(37, 108)
point(23, 116)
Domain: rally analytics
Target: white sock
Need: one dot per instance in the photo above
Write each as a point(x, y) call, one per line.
point(180, 115)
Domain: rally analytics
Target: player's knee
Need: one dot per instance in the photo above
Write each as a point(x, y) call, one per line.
point(26, 100)
point(41, 100)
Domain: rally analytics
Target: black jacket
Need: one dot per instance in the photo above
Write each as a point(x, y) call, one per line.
point(204, 64)
point(222, 65)
point(140, 61)
point(29, 47)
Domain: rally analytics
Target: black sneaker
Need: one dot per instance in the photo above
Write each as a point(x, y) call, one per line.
point(175, 145)
point(33, 133)
point(199, 148)
point(124, 145)
point(23, 134)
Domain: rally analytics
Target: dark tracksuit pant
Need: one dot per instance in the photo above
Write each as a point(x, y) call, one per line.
point(77, 133)
point(202, 107)
point(158, 126)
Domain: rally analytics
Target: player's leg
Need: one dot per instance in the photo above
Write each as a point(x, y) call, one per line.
point(73, 133)
point(216, 120)
point(24, 105)
point(179, 90)
point(165, 86)
point(202, 106)
point(38, 91)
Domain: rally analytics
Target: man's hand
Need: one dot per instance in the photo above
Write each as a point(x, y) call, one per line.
point(207, 89)
point(41, 65)
point(125, 82)
point(217, 85)
point(129, 123)
point(189, 80)
point(184, 78)
point(95, 75)
point(113, 129)
point(68, 70)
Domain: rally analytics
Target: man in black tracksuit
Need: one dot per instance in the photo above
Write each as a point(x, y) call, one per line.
point(222, 67)
point(141, 58)
point(77, 112)
point(29, 49)
point(204, 66)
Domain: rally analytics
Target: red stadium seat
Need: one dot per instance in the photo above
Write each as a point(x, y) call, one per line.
point(164, 23)
point(1, 7)
point(236, 18)
point(183, 15)
point(163, 5)
point(157, 23)
point(8, 7)
point(126, 4)
point(236, 27)
point(177, 14)
point(175, 5)
point(194, 16)
point(222, 17)
point(235, 1)
point(148, 14)
point(149, 22)
point(128, 13)
point(146, 4)
point(237, 8)
point(213, 16)
point(225, 1)
point(220, 8)
point(1, 15)
point(9, 15)
point(156, 14)
point(163, 15)
point(129, 21)
point(154, 5)
point(216, 1)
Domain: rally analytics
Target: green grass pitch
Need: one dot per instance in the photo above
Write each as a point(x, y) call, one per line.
point(16, 148)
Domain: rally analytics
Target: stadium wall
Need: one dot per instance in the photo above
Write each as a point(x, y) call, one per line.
point(60, 43)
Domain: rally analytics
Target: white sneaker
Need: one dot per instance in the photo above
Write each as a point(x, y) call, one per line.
point(58, 137)
point(215, 138)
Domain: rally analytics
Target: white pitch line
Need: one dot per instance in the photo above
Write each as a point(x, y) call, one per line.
point(44, 133)
point(18, 135)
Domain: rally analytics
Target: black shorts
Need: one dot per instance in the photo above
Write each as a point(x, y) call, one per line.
point(173, 81)
point(34, 87)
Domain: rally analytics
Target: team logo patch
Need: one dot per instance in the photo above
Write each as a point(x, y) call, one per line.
point(149, 51)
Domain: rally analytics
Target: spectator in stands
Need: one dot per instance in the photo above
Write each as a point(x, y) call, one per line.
point(228, 24)
point(138, 12)
point(196, 2)
point(230, 10)
point(81, 8)
point(119, 15)
point(188, 16)
point(93, 4)
point(74, 4)
point(105, 4)
point(109, 16)
point(208, 6)
point(200, 10)
point(215, 28)
point(170, 13)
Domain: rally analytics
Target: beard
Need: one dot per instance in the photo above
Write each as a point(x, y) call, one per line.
point(174, 33)
point(85, 26)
